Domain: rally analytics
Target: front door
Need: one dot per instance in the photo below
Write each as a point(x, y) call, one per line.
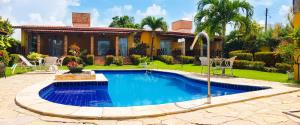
point(123, 46)
point(55, 47)
point(103, 47)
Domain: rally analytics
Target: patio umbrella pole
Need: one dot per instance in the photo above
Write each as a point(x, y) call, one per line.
point(203, 34)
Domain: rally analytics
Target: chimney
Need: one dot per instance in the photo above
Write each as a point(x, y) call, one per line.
point(185, 26)
point(81, 19)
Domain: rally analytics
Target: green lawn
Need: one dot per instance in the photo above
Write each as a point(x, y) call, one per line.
point(251, 74)
point(18, 70)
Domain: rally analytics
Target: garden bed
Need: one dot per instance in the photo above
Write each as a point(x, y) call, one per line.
point(85, 75)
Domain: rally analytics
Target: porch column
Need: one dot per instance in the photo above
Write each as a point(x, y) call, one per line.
point(65, 45)
point(117, 45)
point(38, 45)
point(183, 48)
point(92, 45)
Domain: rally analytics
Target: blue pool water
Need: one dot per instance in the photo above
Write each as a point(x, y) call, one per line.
point(135, 88)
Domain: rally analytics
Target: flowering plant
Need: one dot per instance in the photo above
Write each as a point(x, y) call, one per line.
point(74, 67)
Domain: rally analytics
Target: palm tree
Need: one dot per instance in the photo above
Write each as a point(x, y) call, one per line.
point(154, 24)
point(214, 15)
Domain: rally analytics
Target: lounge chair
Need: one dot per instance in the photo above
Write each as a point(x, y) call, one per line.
point(24, 63)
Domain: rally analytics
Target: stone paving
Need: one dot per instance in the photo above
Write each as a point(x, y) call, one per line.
point(264, 111)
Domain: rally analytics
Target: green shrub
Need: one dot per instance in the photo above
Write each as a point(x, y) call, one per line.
point(256, 65)
point(119, 60)
point(90, 59)
point(33, 56)
point(186, 59)
point(4, 57)
point(14, 58)
point(72, 58)
point(241, 56)
point(245, 64)
point(166, 59)
point(109, 59)
point(135, 59)
point(283, 67)
point(270, 69)
point(268, 57)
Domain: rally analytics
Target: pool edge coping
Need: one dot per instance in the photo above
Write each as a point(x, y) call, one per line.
point(29, 99)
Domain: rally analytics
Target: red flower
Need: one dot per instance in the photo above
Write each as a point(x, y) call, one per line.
point(73, 64)
point(1, 53)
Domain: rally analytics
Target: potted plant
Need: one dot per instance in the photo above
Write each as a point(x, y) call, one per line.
point(74, 67)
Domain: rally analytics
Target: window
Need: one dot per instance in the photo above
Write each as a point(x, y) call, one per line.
point(123, 46)
point(165, 46)
point(32, 43)
point(103, 47)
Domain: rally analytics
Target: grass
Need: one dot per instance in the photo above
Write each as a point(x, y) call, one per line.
point(18, 70)
point(241, 73)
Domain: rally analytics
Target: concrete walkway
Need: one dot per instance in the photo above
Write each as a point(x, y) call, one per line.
point(265, 111)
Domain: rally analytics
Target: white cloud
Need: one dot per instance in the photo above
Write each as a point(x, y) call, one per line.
point(284, 10)
point(73, 2)
point(153, 10)
point(4, 1)
point(261, 2)
point(37, 12)
point(120, 10)
point(189, 16)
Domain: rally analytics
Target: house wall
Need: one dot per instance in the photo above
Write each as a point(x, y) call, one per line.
point(297, 19)
point(24, 41)
point(146, 37)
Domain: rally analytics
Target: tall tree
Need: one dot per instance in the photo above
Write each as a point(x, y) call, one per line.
point(214, 15)
point(124, 22)
point(6, 27)
point(154, 24)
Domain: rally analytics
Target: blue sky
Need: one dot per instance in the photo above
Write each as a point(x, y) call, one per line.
point(58, 12)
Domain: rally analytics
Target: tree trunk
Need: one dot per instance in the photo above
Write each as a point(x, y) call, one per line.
point(224, 39)
point(151, 48)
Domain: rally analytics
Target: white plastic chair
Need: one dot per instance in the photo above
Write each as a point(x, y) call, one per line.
point(51, 63)
point(229, 64)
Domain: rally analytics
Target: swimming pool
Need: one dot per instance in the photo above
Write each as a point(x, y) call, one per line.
point(136, 88)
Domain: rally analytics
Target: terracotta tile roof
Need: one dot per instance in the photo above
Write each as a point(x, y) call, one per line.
point(70, 29)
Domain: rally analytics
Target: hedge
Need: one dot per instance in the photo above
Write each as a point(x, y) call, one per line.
point(135, 59)
point(186, 59)
point(118, 61)
point(245, 64)
point(268, 57)
point(109, 59)
point(90, 59)
point(166, 59)
point(241, 55)
point(283, 67)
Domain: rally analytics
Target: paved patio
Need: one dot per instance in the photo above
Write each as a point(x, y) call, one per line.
point(262, 111)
